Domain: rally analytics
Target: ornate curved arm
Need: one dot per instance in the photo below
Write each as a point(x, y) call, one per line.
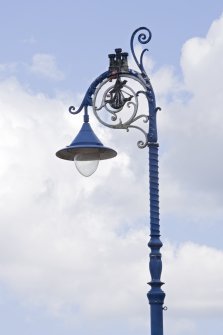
point(119, 95)
point(120, 103)
point(87, 101)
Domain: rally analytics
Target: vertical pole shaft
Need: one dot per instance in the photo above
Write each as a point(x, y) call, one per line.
point(155, 295)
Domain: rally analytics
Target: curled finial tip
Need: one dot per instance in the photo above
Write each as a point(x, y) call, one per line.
point(144, 37)
point(71, 109)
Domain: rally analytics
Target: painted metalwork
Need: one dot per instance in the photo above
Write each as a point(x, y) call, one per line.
point(87, 141)
point(114, 94)
point(118, 61)
point(127, 99)
point(155, 295)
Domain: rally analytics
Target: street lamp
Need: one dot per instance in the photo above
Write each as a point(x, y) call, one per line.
point(114, 92)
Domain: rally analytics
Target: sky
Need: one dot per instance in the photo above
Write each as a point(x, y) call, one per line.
point(73, 250)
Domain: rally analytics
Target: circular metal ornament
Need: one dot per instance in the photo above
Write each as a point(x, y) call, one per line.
point(116, 98)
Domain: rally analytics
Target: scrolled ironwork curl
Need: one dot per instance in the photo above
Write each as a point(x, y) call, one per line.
point(87, 100)
point(130, 101)
point(143, 38)
point(72, 109)
point(141, 144)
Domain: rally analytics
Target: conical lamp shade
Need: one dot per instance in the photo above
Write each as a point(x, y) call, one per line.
point(86, 142)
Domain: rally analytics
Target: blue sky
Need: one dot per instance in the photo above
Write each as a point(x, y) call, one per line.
point(69, 30)
point(73, 255)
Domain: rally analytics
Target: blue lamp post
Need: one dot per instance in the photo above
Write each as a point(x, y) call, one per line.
point(114, 92)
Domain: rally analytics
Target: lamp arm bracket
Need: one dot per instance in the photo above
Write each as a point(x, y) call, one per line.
point(118, 95)
point(87, 100)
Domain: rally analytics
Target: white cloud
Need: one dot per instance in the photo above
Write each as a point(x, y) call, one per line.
point(192, 268)
point(202, 62)
point(191, 132)
point(8, 67)
point(193, 276)
point(45, 65)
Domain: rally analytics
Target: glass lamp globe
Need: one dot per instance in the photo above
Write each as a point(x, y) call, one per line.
point(87, 163)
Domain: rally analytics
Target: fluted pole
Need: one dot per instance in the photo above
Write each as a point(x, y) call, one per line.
point(155, 295)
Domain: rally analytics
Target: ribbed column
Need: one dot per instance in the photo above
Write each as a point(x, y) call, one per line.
point(155, 295)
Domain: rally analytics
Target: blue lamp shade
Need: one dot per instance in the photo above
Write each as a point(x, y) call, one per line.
point(86, 151)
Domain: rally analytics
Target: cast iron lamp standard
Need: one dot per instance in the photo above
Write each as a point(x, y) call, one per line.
point(114, 91)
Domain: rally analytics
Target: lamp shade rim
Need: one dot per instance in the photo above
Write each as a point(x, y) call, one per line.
point(69, 152)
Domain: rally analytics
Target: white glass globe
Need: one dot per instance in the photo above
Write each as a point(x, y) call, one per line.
point(87, 163)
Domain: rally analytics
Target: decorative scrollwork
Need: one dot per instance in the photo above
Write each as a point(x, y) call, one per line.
point(144, 37)
point(72, 110)
point(114, 99)
point(112, 92)
point(87, 101)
